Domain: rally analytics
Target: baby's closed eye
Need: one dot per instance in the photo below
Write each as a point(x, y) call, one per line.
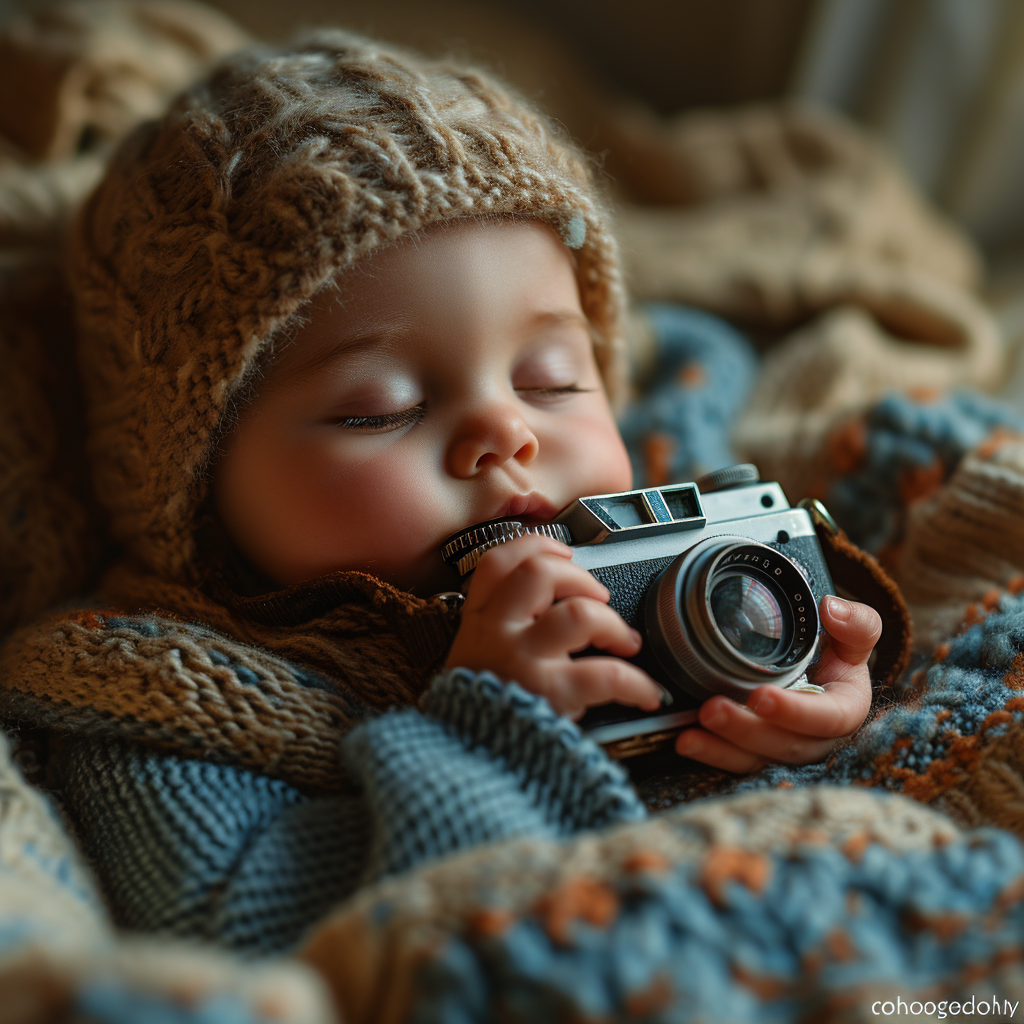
point(383, 422)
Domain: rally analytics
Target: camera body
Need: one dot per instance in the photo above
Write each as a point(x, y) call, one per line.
point(721, 577)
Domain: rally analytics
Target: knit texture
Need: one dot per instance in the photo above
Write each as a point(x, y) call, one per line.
point(207, 851)
point(698, 378)
point(786, 936)
point(74, 77)
point(952, 738)
point(179, 687)
point(215, 224)
point(198, 850)
point(764, 907)
point(501, 743)
point(932, 484)
point(209, 755)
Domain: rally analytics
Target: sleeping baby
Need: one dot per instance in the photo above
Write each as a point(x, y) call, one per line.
point(339, 303)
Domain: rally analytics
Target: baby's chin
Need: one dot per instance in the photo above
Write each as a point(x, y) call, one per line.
point(431, 576)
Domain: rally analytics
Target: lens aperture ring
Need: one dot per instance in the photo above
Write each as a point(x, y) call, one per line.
point(683, 631)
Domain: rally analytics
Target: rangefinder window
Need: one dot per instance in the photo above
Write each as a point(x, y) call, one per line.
point(681, 503)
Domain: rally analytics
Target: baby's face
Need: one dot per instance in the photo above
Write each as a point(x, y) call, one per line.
point(448, 380)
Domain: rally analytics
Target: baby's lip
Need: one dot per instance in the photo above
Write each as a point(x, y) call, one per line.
point(528, 506)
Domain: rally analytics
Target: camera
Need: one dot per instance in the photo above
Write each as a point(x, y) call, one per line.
point(721, 576)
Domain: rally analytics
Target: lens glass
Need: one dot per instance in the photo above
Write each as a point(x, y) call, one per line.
point(749, 615)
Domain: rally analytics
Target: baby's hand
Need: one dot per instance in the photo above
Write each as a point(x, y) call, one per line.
point(528, 608)
point(790, 726)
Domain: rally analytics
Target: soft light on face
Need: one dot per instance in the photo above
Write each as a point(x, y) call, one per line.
point(447, 380)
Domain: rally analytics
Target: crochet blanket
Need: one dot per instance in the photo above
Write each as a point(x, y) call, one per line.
point(885, 882)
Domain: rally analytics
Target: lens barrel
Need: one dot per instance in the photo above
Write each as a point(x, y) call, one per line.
point(730, 615)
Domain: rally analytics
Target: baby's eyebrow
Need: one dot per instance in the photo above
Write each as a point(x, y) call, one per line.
point(363, 335)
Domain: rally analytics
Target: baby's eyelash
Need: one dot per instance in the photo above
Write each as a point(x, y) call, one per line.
point(568, 389)
point(389, 421)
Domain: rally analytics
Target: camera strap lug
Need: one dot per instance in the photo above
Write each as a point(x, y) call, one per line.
point(820, 516)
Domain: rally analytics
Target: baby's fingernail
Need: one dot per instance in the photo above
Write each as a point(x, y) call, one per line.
point(838, 608)
point(762, 703)
point(637, 638)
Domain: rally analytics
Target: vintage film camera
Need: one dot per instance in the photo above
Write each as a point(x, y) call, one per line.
point(721, 577)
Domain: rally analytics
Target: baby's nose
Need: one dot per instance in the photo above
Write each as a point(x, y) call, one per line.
point(491, 437)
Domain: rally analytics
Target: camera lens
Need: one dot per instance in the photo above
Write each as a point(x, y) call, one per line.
point(749, 616)
point(732, 614)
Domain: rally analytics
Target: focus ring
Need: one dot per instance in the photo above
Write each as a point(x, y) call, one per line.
point(466, 549)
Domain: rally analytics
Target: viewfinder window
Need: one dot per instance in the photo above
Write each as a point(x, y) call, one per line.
point(623, 510)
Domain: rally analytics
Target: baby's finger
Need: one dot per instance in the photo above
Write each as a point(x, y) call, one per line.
point(576, 623)
point(854, 628)
point(496, 564)
point(836, 712)
point(739, 726)
point(588, 682)
point(532, 585)
point(537, 583)
point(701, 745)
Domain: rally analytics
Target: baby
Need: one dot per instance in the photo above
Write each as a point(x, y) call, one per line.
point(448, 379)
point(337, 304)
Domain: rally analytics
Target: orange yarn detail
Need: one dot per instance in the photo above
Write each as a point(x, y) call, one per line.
point(1014, 675)
point(582, 898)
point(648, 1001)
point(658, 449)
point(919, 482)
point(728, 863)
point(943, 773)
point(692, 375)
point(646, 860)
point(996, 440)
point(765, 988)
point(488, 922)
point(847, 446)
point(855, 846)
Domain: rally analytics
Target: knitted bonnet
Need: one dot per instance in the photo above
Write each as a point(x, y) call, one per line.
point(215, 225)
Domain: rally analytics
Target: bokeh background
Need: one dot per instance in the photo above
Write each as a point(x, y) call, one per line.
point(942, 81)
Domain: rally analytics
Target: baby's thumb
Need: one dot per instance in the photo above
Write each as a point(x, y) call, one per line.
point(854, 628)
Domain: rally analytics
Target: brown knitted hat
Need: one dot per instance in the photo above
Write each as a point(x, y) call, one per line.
point(214, 225)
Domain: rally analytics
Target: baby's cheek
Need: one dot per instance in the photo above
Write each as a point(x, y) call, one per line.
point(384, 516)
point(598, 451)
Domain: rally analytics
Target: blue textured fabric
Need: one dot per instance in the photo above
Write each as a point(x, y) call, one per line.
point(486, 761)
point(195, 849)
point(903, 437)
point(703, 372)
point(822, 931)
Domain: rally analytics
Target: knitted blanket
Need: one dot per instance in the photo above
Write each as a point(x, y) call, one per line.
point(473, 858)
